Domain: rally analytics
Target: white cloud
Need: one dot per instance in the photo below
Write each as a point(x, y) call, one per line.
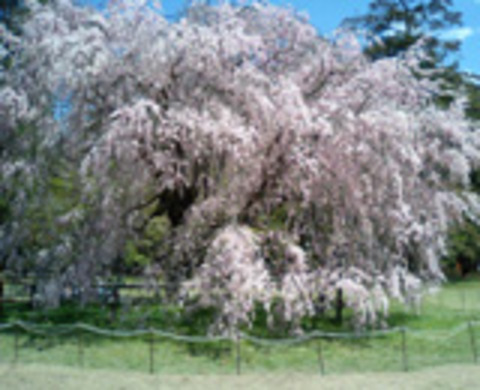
point(460, 33)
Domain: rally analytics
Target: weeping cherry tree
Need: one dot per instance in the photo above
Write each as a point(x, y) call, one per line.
point(288, 167)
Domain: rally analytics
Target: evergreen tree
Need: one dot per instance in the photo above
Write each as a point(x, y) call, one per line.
point(400, 24)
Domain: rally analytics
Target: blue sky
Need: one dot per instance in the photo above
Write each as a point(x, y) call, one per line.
point(326, 15)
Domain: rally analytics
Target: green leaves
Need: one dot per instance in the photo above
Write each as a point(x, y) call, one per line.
point(133, 256)
point(464, 247)
point(401, 24)
point(141, 251)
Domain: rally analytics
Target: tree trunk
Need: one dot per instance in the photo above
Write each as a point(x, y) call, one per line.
point(339, 307)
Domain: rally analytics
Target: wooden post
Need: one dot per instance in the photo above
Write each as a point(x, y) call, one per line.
point(80, 347)
point(404, 350)
point(321, 361)
point(473, 343)
point(238, 357)
point(152, 351)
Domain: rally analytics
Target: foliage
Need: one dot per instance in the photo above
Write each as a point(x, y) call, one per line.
point(232, 117)
point(10, 11)
point(473, 90)
point(464, 248)
point(142, 251)
point(398, 25)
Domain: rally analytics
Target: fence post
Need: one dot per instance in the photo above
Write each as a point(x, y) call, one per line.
point(80, 347)
point(321, 361)
point(473, 343)
point(152, 350)
point(404, 350)
point(238, 356)
point(1, 295)
point(15, 345)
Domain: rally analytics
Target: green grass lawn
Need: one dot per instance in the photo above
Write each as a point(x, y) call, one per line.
point(437, 337)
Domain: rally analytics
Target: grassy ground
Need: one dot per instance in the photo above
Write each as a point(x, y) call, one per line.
point(438, 336)
point(41, 377)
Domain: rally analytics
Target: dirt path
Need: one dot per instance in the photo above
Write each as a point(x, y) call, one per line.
point(40, 377)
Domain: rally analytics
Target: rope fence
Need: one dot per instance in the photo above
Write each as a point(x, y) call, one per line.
point(408, 345)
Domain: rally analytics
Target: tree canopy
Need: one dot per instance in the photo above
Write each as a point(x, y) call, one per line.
point(265, 164)
point(397, 25)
